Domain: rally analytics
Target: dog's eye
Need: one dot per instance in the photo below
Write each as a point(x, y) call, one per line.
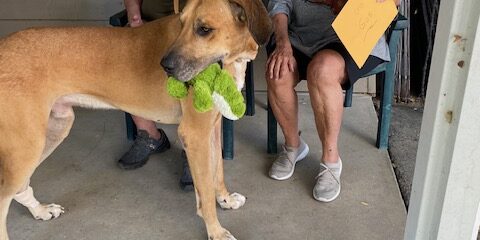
point(204, 31)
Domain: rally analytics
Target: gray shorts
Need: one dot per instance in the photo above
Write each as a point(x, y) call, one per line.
point(353, 71)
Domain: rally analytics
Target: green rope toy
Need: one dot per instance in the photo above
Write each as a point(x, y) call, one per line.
point(212, 86)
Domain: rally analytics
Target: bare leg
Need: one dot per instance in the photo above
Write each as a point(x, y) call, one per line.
point(148, 126)
point(283, 100)
point(325, 75)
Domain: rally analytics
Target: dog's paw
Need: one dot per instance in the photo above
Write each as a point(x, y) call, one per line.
point(232, 201)
point(223, 234)
point(47, 212)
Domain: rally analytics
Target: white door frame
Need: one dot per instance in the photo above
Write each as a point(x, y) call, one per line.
point(445, 198)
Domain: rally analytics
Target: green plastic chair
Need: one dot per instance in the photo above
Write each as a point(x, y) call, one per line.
point(386, 71)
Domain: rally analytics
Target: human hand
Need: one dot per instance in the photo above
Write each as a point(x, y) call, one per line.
point(280, 61)
point(135, 20)
point(133, 12)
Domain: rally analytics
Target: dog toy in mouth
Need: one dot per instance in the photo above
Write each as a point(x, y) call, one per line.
point(212, 86)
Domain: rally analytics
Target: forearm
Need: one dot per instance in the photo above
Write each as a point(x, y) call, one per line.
point(134, 12)
point(280, 27)
point(133, 6)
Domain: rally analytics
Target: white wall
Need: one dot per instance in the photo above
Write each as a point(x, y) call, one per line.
point(20, 14)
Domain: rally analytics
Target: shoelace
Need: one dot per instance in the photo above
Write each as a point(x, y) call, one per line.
point(284, 155)
point(327, 169)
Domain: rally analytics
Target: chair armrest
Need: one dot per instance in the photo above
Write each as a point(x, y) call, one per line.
point(393, 37)
point(400, 23)
point(119, 19)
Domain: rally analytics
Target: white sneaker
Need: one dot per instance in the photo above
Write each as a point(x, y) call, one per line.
point(284, 166)
point(328, 185)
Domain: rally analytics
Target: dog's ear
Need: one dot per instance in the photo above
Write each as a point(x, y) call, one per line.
point(254, 14)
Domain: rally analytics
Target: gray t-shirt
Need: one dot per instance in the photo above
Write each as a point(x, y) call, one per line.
point(310, 26)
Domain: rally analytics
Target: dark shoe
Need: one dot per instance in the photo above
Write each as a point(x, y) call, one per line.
point(186, 181)
point(142, 148)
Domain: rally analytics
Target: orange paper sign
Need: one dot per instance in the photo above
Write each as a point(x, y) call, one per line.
point(361, 23)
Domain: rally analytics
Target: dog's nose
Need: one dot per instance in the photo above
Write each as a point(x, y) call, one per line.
point(168, 65)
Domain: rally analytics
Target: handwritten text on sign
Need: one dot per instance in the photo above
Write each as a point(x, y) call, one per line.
point(361, 23)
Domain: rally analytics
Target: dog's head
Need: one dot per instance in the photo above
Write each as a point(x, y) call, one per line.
point(216, 31)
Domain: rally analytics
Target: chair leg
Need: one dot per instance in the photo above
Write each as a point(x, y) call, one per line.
point(348, 97)
point(227, 129)
point(250, 90)
point(385, 110)
point(387, 93)
point(227, 124)
point(272, 131)
point(131, 128)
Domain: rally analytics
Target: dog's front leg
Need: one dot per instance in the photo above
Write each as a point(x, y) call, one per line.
point(4, 205)
point(197, 131)
point(38, 210)
point(224, 198)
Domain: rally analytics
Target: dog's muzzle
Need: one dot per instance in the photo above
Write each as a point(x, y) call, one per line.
point(168, 64)
point(179, 67)
point(183, 68)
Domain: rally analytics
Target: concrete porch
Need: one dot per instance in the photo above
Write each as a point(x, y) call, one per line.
point(104, 202)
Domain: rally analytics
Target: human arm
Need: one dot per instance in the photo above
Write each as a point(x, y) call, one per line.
point(281, 59)
point(397, 2)
point(133, 8)
point(337, 5)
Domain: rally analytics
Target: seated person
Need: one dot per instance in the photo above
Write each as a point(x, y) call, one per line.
point(149, 139)
point(305, 46)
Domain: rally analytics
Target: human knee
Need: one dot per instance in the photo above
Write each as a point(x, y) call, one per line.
point(326, 68)
point(284, 83)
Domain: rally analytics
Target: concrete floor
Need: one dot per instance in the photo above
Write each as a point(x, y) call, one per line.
point(403, 143)
point(104, 202)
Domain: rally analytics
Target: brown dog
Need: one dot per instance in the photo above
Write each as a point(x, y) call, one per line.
point(46, 71)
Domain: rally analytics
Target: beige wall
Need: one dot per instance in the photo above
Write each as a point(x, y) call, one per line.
point(20, 14)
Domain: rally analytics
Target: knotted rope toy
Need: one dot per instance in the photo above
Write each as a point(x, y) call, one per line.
point(212, 86)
